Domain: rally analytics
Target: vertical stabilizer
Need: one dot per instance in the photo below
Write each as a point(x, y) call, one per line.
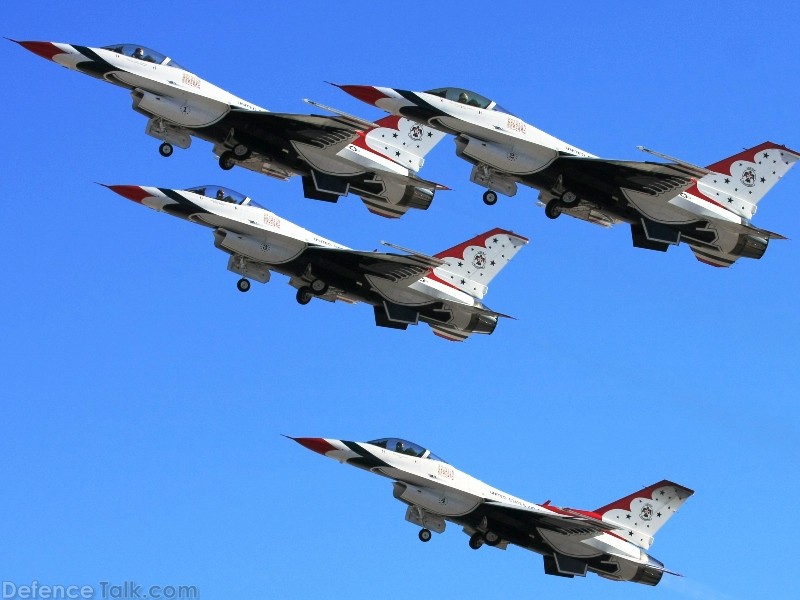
point(644, 512)
point(740, 181)
point(471, 265)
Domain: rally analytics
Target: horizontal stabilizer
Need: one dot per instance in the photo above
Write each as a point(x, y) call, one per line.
point(430, 260)
point(349, 119)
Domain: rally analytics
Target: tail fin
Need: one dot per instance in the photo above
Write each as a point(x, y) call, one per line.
point(403, 141)
point(644, 512)
point(471, 265)
point(739, 182)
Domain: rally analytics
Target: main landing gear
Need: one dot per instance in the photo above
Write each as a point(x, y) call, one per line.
point(556, 206)
point(165, 149)
point(478, 539)
point(243, 285)
point(318, 287)
point(425, 535)
point(229, 158)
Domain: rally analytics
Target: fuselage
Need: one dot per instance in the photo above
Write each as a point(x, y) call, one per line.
point(424, 480)
point(487, 135)
point(267, 238)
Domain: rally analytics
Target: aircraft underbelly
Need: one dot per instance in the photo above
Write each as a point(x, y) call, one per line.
point(567, 544)
point(398, 294)
point(326, 162)
point(658, 207)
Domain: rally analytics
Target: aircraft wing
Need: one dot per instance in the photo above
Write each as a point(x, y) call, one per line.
point(563, 521)
point(404, 269)
point(655, 178)
point(319, 129)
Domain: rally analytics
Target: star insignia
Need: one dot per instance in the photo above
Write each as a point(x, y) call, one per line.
point(494, 241)
point(430, 134)
point(730, 200)
point(463, 282)
point(766, 155)
point(492, 263)
point(658, 514)
point(763, 180)
point(627, 516)
point(397, 153)
point(727, 180)
point(460, 264)
point(394, 135)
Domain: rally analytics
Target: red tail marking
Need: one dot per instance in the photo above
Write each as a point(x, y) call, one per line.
point(724, 166)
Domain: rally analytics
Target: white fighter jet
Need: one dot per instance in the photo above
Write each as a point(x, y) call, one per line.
point(445, 291)
point(709, 208)
point(334, 155)
point(610, 541)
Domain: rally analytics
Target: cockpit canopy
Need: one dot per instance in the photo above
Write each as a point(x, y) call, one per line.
point(143, 53)
point(223, 194)
point(466, 97)
point(405, 447)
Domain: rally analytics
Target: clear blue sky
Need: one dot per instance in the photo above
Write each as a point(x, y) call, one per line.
point(144, 396)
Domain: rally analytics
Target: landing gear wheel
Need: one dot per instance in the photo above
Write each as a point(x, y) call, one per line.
point(243, 285)
point(569, 199)
point(490, 197)
point(425, 535)
point(491, 538)
point(227, 160)
point(552, 209)
point(241, 152)
point(476, 540)
point(165, 149)
point(304, 295)
point(319, 287)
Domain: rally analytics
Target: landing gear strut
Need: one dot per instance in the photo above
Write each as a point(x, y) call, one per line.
point(165, 149)
point(490, 197)
point(243, 285)
point(425, 535)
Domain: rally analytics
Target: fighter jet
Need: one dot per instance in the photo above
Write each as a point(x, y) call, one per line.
point(334, 155)
point(445, 291)
point(708, 208)
point(610, 541)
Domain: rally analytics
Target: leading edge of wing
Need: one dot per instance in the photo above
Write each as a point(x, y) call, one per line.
point(642, 167)
point(321, 122)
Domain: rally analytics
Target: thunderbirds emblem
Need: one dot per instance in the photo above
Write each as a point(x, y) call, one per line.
point(749, 177)
point(479, 261)
point(646, 514)
point(415, 133)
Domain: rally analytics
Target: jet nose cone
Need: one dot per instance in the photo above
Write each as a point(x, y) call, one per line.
point(319, 445)
point(44, 49)
point(365, 93)
point(131, 192)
